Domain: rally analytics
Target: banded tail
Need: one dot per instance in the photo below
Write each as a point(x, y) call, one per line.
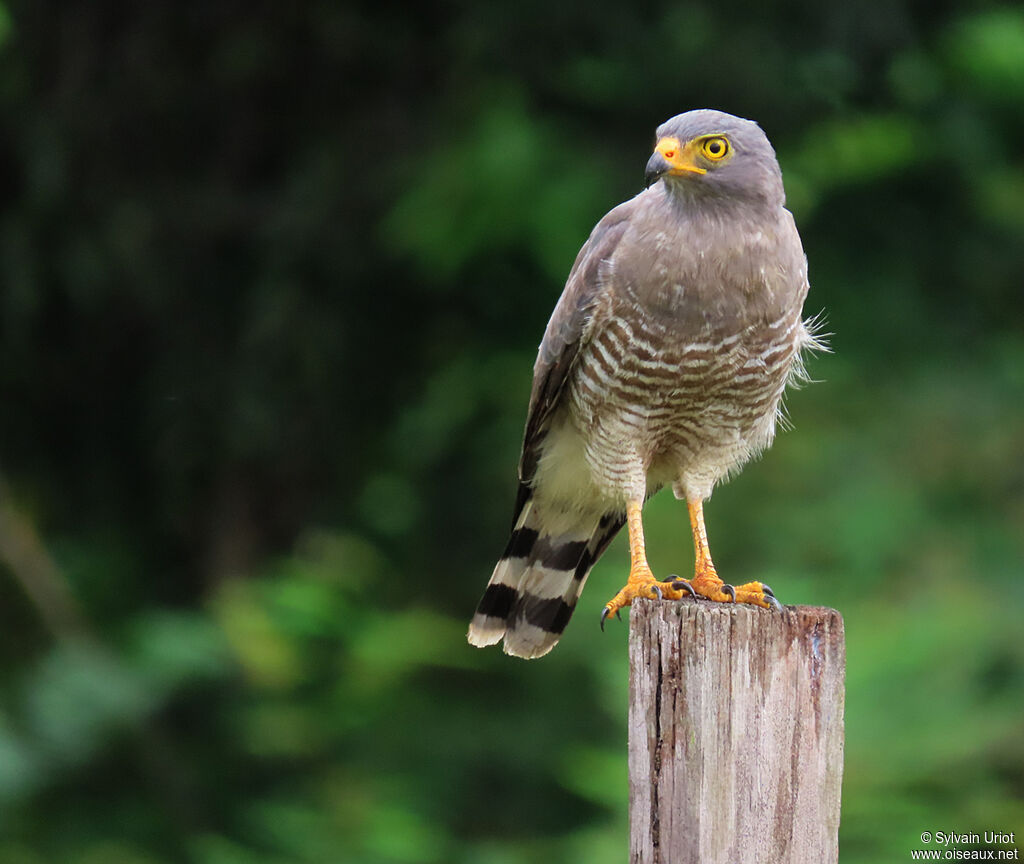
point(535, 586)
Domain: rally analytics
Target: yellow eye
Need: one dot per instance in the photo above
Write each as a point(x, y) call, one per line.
point(715, 149)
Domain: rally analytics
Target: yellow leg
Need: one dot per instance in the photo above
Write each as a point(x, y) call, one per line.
point(641, 582)
point(705, 580)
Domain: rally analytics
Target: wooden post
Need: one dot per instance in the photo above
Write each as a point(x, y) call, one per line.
point(735, 733)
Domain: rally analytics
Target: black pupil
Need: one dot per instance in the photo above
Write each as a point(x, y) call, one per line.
point(715, 147)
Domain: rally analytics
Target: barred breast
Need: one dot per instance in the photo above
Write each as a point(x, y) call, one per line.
point(651, 409)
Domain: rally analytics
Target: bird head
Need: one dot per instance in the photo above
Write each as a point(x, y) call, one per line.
point(711, 153)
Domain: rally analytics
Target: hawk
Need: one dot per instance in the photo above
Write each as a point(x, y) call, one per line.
point(663, 364)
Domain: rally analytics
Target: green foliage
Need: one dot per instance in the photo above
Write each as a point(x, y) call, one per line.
point(270, 290)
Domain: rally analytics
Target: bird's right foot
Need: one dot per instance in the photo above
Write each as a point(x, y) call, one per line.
point(641, 583)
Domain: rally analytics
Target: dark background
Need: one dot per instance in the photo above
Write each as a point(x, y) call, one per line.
point(272, 277)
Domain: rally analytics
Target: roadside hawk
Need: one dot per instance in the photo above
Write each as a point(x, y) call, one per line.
point(663, 364)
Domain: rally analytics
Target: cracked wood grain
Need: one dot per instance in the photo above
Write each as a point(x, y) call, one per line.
point(735, 733)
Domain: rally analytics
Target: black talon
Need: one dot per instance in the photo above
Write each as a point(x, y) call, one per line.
point(728, 589)
point(775, 604)
point(604, 616)
point(767, 589)
point(682, 584)
point(657, 591)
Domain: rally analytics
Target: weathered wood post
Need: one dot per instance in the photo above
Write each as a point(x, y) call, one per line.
point(735, 733)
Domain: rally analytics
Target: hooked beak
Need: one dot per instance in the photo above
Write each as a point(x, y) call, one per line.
point(656, 167)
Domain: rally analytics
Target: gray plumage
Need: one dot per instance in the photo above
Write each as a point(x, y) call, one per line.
point(663, 364)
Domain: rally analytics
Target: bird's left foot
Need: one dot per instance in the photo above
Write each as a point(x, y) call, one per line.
point(707, 584)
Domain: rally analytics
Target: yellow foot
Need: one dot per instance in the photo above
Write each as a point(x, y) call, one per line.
point(642, 583)
point(707, 584)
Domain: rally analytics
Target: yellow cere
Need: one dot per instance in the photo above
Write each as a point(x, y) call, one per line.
point(682, 159)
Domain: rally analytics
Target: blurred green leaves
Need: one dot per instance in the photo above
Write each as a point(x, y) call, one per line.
point(81, 697)
point(507, 181)
point(6, 25)
point(850, 151)
point(987, 50)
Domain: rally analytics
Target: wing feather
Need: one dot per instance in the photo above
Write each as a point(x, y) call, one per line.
point(565, 333)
